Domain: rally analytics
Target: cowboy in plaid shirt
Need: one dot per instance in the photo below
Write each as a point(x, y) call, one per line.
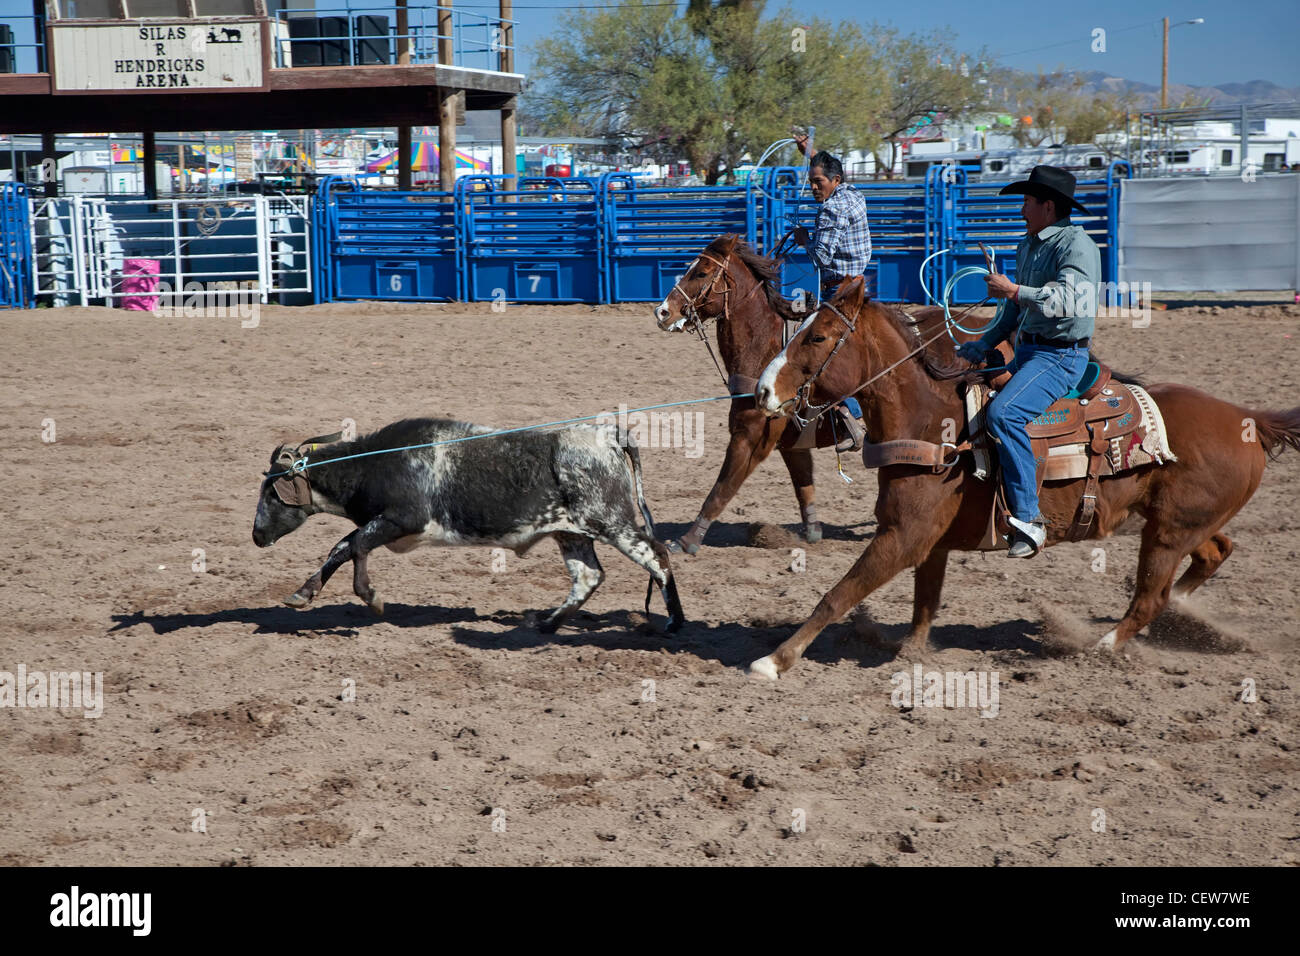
point(840, 247)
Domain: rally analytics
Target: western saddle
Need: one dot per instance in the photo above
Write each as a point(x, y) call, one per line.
point(1098, 429)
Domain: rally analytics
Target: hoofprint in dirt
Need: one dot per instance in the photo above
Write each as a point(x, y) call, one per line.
point(238, 731)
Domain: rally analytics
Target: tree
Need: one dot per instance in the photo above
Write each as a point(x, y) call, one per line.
point(1058, 107)
point(928, 76)
point(717, 85)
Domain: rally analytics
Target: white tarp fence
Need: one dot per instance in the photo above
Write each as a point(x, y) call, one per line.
point(1211, 235)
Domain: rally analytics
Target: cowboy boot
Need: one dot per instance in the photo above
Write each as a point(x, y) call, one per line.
point(855, 431)
point(1027, 537)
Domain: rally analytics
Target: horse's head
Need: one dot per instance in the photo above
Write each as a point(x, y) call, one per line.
point(806, 368)
point(700, 292)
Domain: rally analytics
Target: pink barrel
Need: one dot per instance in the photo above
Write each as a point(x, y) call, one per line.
point(139, 283)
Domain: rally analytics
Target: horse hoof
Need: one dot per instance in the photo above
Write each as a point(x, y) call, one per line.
point(548, 626)
point(297, 600)
point(1107, 643)
point(674, 546)
point(812, 533)
point(674, 625)
point(376, 604)
point(763, 669)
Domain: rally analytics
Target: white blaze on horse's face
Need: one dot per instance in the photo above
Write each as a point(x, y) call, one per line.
point(766, 390)
point(664, 312)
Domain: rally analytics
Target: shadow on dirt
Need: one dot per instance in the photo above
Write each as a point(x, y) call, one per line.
point(729, 644)
point(723, 534)
point(326, 618)
point(736, 645)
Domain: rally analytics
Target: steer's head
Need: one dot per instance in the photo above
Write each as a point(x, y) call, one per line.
point(699, 292)
point(285, 500)
point(818, 356)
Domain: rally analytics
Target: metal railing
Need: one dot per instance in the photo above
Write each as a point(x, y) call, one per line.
point(13, 43)
point(478, 40)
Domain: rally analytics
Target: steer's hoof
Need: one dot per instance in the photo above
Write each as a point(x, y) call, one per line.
point(812, 533)
point(297, 600)
point(763, 669)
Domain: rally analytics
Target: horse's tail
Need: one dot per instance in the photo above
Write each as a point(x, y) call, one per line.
point(1278, 430)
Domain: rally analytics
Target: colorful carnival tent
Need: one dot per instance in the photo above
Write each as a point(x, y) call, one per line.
point(424, 157)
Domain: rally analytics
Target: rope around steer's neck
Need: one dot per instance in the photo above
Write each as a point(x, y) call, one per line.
point(302, 464)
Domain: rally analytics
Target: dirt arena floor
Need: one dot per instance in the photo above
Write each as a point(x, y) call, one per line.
point(474, 739)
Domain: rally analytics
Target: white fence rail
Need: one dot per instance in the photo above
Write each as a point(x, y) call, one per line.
point(259, 244)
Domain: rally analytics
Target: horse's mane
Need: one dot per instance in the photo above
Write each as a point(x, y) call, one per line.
point(940, 371)
point(956, 369)
point(768, 271)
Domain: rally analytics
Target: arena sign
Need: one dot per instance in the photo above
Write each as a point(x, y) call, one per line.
point(154, 55)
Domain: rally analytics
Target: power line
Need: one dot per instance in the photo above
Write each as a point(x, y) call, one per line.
point(561, 6)
point(1052, 46)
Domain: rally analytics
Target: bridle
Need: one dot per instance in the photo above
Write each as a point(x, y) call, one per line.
point(291, 485)
point(802, 398)
point(692, 304)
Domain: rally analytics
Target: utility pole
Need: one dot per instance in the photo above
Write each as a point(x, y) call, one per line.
point(1164, 70)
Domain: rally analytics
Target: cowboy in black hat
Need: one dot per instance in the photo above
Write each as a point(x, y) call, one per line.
point(1053, 305)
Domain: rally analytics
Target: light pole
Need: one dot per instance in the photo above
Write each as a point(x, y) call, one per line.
point(1164, 61)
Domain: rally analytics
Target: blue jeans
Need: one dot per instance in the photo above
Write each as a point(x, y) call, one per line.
point(1040, 376)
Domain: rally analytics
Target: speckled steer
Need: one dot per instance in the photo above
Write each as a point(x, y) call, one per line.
point(576, 485)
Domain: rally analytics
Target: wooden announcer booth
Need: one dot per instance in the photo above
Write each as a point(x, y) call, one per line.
point(189, 65)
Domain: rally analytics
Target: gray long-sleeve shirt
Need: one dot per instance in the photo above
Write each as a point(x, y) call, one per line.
point(1059, 274)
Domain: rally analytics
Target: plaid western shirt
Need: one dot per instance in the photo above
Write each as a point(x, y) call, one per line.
point(841, 246)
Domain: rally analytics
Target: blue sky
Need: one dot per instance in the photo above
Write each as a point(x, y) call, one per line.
point(1240, 41)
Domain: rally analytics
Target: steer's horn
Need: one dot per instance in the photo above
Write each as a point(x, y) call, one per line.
point(311, 443)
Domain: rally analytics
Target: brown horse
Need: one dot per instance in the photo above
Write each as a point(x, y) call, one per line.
point(922, 515)
point(734, 285)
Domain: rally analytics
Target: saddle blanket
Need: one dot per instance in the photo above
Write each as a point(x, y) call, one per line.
point(1146, 445)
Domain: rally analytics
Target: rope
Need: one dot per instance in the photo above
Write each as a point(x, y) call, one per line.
point(302, 464)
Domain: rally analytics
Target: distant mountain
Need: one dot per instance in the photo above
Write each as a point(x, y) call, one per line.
point(1225, 94)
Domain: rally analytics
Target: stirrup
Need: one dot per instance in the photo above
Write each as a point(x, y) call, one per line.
point(1027, 537)
point(855, 429)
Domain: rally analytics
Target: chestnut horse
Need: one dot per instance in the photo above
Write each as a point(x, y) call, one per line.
point(724, 283)
point(922, 515)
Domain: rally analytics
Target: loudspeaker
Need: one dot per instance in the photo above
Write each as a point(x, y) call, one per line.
point(304, 41)
point(335, 49)
point(376, 47)
point(7, 53)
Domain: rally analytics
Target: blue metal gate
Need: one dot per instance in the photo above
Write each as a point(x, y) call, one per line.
point(974, 212)
point(16, 288)
point(385, 245)
point(900, 218)
point(652, 234)
point(538, 243)
point(579, 240)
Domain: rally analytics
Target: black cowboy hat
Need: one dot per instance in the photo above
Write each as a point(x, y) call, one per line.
point(1048, 182)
